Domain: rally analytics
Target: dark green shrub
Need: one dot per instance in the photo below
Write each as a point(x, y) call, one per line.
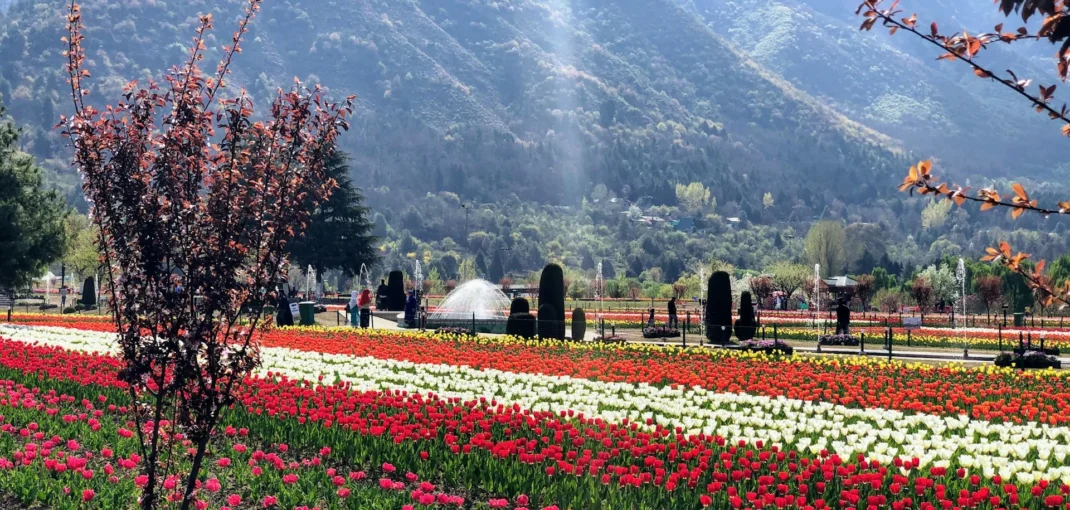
point(521, 325)
point(395, 291)
point(69, 309)
point(519, 305)
point(552, 292)
point(719, 308)
point(89, 293)
point(548, 324)
point(579, 324)
point(746, 325)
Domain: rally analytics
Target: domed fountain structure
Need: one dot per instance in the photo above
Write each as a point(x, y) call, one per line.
point(475, 302)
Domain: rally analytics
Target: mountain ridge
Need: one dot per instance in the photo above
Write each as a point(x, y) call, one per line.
point(576, 78)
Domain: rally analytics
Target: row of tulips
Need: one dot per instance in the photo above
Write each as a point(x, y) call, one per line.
point(986, 393)
point(76, 450)
point(974, 338)
point(815, 423)
point(489, 447)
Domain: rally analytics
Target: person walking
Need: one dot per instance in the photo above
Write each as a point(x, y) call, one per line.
point(410, 310)
point(352, 308)
point(843, 318)
point(62, 298)
point(674, 322)
point(381, 296)
point(365, 304)
point(283, 316)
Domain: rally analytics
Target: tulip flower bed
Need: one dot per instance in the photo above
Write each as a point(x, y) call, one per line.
point(502, 423)
point(975, 338)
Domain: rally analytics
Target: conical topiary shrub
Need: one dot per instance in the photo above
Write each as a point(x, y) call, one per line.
point(521, 325)
point(519, 305)
point(719, 308)
point(579, 324)
point(395, 291)
point(89, 293)
point(746, 325)
point(552, 292)
point(548, 326)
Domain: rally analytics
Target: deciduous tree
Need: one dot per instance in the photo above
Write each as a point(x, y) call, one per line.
point(922, 292)
point(81, 254)
point(693, 197)
point(865, 288)
point(826, 245)
point(989, 291)
point(762, 287)
point(195, 201)
point(788, 277)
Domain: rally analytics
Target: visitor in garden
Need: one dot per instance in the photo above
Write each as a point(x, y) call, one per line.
point(352, 309)
point(650, 321)
point(63, 297)
point(674, 322)
point(381, 295)
point(843, 318)
point(283, 316)
point(410, 309)
point(365, 304)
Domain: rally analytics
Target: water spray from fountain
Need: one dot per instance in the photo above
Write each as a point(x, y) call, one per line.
point(817, 293)
point(478, 299)
point(364, 277)
point(598, 287)
point(418, 278)
point(960, 275)
point(705, 288)
point(310, 281)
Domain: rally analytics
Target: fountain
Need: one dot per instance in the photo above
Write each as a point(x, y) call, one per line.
point(310, 281)
point(817, 294)
point(364, 277)
point(418, 280)
point(48, 287)
point(702, 308)
point(475, 301)
point(960, 274)
point(598, 287)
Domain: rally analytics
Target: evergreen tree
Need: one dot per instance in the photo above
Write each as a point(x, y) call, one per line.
point(587, 262)
point(481, 265)
point(608, 272)
point(866, 264)
point(497, 268)
point(32, 230)
point(339, 233)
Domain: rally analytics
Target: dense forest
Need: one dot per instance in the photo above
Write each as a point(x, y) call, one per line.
point(649, 134)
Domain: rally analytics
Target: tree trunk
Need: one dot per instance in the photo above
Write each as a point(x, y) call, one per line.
point(191, 477)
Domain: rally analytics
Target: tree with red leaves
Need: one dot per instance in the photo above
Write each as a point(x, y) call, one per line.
point(989, 291)
point(195, 201)
point(965, 48)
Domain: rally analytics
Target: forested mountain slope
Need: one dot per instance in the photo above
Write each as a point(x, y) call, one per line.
point(896, 85)
point(538, 98)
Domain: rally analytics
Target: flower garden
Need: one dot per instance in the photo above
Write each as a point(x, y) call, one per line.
point(347, 419)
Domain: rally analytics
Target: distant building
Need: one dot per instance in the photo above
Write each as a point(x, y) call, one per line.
point(841, 286)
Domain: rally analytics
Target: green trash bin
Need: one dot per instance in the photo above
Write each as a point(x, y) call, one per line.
point(1019, 320)
point(308, 313)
